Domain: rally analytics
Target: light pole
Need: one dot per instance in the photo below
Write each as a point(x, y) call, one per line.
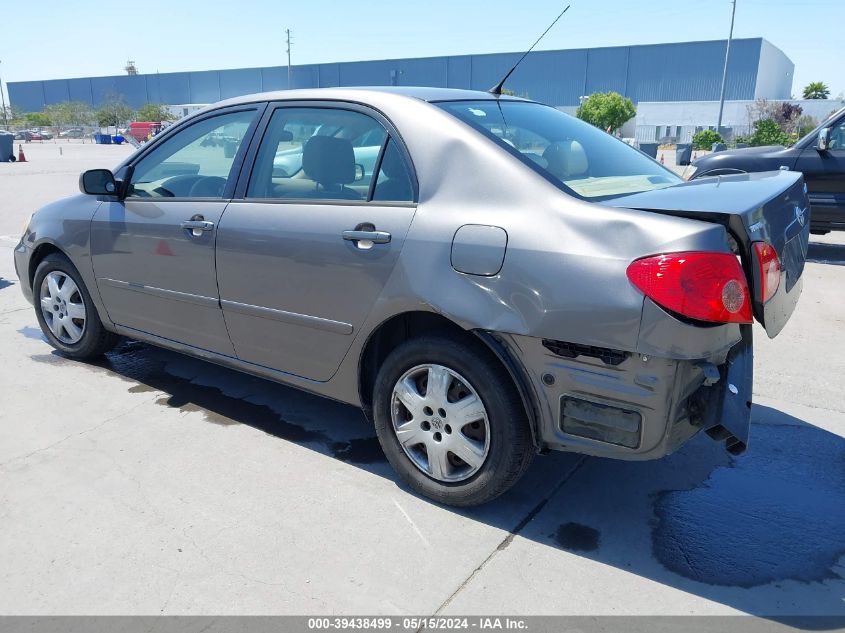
point(287, 32)
point(3, 105)
point(725, 70)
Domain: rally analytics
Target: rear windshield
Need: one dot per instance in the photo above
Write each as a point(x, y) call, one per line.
point(579, 158)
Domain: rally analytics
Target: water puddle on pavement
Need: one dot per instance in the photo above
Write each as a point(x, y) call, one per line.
point(145, 367)
point(33, 333)
point(776, 513)
point(576, 537)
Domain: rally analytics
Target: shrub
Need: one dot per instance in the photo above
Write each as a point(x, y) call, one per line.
point(704, 139)
point(768, 132)
point(606, 110)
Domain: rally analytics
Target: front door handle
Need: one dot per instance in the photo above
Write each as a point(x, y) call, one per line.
point(197, 225)
point(366, 239)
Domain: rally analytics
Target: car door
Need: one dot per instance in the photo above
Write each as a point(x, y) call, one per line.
point(307, 250)
point(153, 250)
point(824, 173)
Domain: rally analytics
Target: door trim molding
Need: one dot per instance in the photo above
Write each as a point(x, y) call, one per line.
point(173, 295)
point(293, 318)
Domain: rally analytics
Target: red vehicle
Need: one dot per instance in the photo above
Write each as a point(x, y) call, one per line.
point(142, 130)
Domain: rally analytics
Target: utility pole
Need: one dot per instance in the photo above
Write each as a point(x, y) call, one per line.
point(287, 32)
point(725, 71)
point(3, 105)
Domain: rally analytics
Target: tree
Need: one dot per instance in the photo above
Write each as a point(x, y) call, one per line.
point(768, 132)
point(37, 119)
point(816, 90)
point(704, 139)
point(113, 111)
point(606, 110)
point(805, 124)
point(154, 112)
point(70, 113)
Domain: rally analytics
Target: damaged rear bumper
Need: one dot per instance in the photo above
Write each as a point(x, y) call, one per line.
point(634, 406)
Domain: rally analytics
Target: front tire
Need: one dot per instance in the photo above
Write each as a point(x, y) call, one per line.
point(450, 420)
point(66, 312)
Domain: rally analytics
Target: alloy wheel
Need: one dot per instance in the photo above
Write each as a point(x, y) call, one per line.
point(440, 422)
point(63, 307)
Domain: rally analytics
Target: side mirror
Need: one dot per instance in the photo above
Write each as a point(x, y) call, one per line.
point(824, 139)
point(359, 172)
point(97, 182)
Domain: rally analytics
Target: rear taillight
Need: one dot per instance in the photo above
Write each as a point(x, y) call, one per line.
point(768, 269)
point(698, 285)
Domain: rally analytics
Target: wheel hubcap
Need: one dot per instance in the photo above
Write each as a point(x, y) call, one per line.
point(62, 307)
point(440, 422)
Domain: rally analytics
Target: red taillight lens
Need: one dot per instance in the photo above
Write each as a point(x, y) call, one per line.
point(768, 268)
point(701, 286)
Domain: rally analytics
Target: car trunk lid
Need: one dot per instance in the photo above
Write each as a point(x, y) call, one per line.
point(769, 207)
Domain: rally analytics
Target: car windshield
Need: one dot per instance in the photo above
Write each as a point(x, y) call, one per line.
point(579, 158)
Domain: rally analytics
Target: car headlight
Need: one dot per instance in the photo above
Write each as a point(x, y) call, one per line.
point(689, 172)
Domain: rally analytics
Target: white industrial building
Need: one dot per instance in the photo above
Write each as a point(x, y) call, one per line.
point(677, 121)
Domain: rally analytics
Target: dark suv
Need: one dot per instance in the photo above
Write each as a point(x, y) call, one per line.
point(820, 156)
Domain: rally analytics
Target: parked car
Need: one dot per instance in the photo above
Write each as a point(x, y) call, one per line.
point(505, 280)
point(820, 156)
point(74, 132)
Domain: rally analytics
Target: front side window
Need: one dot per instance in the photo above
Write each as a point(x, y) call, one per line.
point(578, 157)
point(317, 153)
point(193, 163)
point(837, 136)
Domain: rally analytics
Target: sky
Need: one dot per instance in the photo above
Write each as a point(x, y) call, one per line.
point(79, 38)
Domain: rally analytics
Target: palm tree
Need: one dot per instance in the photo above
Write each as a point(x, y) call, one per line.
point(816, 90)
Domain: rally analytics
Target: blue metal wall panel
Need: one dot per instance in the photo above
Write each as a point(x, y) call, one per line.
point(458, 72)
point(328, 76)
point(56, 91)
point(555, 77)
point(274, 78)
point(607, 70)
point(175, 88)
point(243, 81)
point(692, 71)
point(79, 90)
point(205, 86)
point(689, 71)
point(375, 73)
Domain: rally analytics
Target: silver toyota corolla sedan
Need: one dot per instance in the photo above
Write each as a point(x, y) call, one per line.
point(486, 277)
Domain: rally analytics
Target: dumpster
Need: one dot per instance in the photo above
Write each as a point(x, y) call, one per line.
point(683, 153)
point(117, 139)
point(7, 147)
point(102, 139)
point(649, 149)
point(719, 147)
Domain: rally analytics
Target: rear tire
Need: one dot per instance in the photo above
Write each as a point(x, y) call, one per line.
point(465, 434)
point(66, 312)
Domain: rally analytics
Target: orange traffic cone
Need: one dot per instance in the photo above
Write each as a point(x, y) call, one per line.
point(21, 157)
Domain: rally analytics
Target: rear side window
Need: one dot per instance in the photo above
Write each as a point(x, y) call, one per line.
point(394, 180)
point(317, 153)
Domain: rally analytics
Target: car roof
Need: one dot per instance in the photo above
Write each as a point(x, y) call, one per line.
point(358, 93)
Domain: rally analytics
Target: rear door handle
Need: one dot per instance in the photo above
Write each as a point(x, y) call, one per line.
point(366, 239)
